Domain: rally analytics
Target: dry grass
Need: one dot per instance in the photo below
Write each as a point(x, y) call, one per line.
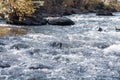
point(4, 31)
point(116, 6)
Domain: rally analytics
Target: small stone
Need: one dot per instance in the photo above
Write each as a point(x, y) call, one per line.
point(56, 45)
point(100, 29)
point(117, 29)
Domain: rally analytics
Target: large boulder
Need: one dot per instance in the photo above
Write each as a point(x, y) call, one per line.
point(28, 21)
point(63, 21)
point(104, 13)
point(36, 19)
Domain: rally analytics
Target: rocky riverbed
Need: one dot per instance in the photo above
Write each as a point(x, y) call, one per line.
point(77, 52)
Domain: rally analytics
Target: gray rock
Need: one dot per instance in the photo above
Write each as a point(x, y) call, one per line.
point(40, 66)
point(56, 45)
point(101, 45)
point(19, 46)
point(104, 13)
point(63, 21)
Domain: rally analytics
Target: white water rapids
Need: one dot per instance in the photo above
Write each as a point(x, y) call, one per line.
point(77, 52)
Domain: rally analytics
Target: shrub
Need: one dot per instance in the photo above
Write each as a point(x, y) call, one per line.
point(20, 8)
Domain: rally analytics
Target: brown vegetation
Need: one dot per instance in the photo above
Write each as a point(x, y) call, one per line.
point(115, 6)
point(58, 6)
point(19, 8)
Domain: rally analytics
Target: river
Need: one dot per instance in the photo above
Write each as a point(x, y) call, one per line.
point(77, 52)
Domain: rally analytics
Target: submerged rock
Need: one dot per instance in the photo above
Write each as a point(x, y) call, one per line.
point(101, 45)
point(100, 29)
point(40, 66)
point(33, 51)
point(63, 21)
point(104, 13)
point(117, 29)
point(4, 64)
point(56, 44)
point(19, 46)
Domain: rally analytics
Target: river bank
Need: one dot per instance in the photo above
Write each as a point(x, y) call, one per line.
point(35, 14)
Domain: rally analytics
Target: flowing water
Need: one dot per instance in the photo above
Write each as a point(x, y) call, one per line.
point(77, 52)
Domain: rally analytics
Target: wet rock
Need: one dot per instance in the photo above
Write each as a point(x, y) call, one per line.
point(4, 64)
point(36, 19)
point(100, 29)
point(104, 13)
point(34, 51)
point(86, 53)
point(101, 45)
point(1, 43)
point(40, 66)
point(19, 46)
point(56, 45)
point(63, 21)
point(117, 29)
